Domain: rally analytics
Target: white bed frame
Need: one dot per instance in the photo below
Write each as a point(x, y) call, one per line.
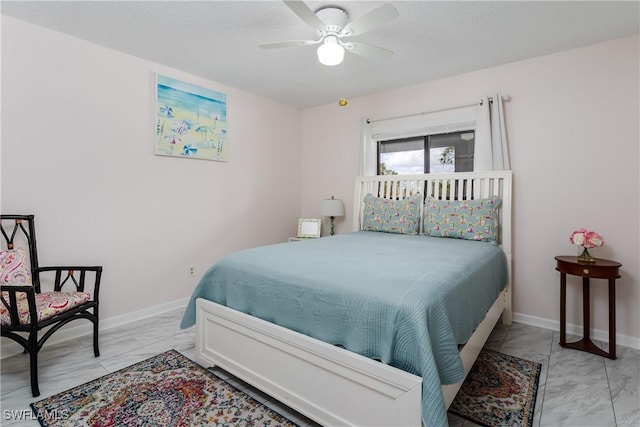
point(332, 386)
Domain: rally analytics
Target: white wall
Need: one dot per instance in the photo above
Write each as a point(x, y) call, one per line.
point(573, 128)
point(77, 151)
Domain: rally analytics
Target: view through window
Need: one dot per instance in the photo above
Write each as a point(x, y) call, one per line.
point(441, 153)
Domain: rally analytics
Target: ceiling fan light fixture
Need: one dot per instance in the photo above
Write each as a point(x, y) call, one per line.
point(330, 51)
point(332, 25)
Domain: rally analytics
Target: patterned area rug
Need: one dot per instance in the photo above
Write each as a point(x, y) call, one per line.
point(500, 390)
point(165, 390)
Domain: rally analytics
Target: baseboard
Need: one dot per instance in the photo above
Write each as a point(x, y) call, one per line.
point(596, 334)
point(10, 348)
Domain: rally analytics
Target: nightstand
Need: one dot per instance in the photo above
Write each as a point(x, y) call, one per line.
point(600, 269)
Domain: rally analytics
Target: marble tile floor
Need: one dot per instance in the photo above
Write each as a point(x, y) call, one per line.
point(576, 388)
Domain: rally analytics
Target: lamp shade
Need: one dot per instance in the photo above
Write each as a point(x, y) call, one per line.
point(332, 207)
point(330, 52)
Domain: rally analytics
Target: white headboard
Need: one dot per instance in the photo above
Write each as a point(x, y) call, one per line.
point(459, 186)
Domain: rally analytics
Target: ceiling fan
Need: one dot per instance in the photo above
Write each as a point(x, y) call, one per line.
point(332, 24)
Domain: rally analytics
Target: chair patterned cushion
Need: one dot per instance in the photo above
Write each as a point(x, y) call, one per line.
point(48, 304)
point(13, 270)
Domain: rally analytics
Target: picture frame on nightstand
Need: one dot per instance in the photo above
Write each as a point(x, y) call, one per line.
point(309, 228)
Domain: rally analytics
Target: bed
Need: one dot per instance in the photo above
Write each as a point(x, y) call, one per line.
point(363, 328)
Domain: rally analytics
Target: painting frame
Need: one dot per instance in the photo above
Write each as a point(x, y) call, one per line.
point(190, 120)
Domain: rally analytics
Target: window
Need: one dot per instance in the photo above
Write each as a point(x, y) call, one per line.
point(440, 153)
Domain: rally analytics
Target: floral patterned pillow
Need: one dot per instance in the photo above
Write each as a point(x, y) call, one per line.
point(462, 219)
point(392, 216)
point(14, 270)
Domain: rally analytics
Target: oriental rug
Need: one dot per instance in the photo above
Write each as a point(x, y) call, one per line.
point(167, 390)
point(500, 390)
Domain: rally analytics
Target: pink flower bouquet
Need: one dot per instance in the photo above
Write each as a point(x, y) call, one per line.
point(586, 239)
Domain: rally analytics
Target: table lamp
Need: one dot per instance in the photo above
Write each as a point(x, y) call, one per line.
point(332, 208)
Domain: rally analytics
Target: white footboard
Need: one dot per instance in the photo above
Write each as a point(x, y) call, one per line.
point(332, 386)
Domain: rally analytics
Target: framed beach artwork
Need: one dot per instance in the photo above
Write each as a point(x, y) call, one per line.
point(191, 121)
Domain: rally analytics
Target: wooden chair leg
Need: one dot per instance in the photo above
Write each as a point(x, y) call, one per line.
point(96, 350)
point(33, 363)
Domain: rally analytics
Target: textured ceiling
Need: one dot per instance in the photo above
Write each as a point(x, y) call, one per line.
point(218, 40)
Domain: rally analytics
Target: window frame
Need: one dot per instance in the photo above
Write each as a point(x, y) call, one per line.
point(426, 140)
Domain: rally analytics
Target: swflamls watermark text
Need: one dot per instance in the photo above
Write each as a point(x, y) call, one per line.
point(29, 415)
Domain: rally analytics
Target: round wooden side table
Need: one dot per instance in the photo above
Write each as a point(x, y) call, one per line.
point(600, 269)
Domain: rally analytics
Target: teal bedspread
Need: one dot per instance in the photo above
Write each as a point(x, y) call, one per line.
point(406, 300)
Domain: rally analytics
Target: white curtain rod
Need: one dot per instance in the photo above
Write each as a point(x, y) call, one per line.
point(422, 113)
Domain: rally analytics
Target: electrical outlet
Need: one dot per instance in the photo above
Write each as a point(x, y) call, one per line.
point(191, 270)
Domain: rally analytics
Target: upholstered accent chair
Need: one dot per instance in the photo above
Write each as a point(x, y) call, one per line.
point(25, 309)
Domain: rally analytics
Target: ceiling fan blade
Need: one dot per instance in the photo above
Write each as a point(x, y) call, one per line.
point(288, 43)
point(367, 50)
point(371, 20)
point(306, 14)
